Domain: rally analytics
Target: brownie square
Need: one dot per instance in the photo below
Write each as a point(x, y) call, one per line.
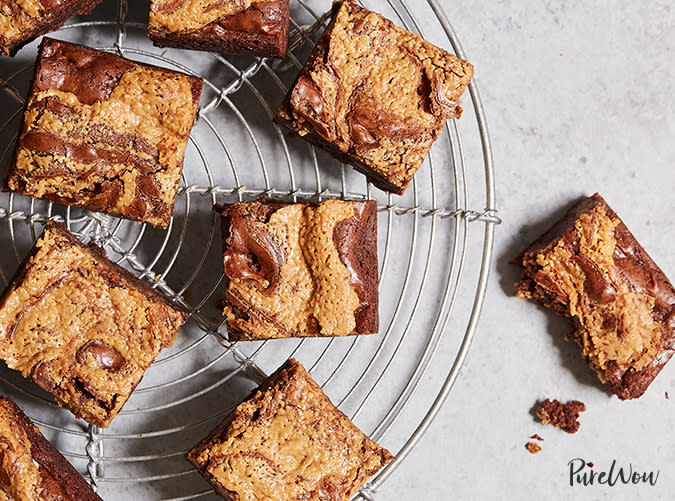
point(82, 327)
point(253, 27)
point(375, 96)
point(590, 268)
point(23, 21)
point(300, 270)
point(288, 441)
point(104, 133)
point(30, 467)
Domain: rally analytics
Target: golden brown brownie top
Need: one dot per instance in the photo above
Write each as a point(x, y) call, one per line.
point(20, 477)
point(303, 287)
point(378, 92)
point(79, 328)
point(103, 132)
point(289, 442)
point(617, 322)
point(191, 15)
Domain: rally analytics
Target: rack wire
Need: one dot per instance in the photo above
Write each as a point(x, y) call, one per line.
point(392, 385)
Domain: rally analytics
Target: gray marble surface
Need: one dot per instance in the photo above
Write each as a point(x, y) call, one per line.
point(579, 98)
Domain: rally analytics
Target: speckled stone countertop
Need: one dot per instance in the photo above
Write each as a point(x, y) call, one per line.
point(579, 99)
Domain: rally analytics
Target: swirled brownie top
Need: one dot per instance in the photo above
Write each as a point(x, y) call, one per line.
point(104, 133)
point(24, 20)
point(590, 268)
point(81, 327)
point(300, 269)
point(256, 27)
point(288, 441)
point(375, 95)
point(31, 469)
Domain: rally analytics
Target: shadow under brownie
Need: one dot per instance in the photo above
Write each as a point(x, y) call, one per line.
point(82, 327)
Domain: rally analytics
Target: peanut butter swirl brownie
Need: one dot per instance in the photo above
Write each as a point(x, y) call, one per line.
point(590, 268)
point(21, 21)
point(247, 27)
point(375, 95)
point(104, 133)
point(31, 469)
point(288, 441)
point(82, 327)
point(299, 270)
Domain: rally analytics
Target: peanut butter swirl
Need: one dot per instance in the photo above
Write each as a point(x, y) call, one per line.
point(590, 268)
point(288, 442)
point(286, 275)
point(375, 94)
point(191, 15)
point(81, 328)
point(104, 133)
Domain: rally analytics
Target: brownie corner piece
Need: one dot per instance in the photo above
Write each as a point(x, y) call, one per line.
point(375, 95)
point(257, 28)
point(300, 269)
point(104, 133)
point(316, 452)
point(590, 268)
point(22, 22)
point(31, 467)
point(82, 327)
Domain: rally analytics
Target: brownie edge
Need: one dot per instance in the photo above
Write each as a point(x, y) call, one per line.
point(32, 27)
point(54, 477)
point(259, 30)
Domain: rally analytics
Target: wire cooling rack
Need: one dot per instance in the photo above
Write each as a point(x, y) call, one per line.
point(435, 248)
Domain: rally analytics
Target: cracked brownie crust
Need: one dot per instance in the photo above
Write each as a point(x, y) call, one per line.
point(81, 327)
point(104, 133)
point(248, 27)
point(299, 270)
point(288, 441)
point(591, 269)
point(31, 469)
point(21, 21)
point(375, 95)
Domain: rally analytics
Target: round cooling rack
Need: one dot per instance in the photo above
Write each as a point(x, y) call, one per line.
point(435, 249)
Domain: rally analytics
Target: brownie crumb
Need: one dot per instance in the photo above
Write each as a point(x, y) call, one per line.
point(537, 437)
point(667, 396)
point(533, 447)
point(590, 464)
point(563, 416)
